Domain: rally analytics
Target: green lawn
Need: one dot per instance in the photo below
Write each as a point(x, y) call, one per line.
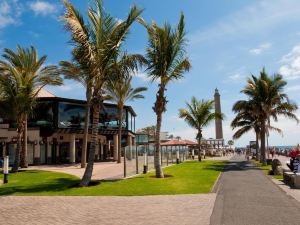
point(186, 178)
point(267, 169)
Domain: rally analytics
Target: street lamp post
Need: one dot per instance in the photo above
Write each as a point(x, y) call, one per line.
point(177, 155)
point(145, 162)
point(5, 169)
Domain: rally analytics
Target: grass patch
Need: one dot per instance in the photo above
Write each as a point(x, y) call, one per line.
point(267, 169)
point(187, 178)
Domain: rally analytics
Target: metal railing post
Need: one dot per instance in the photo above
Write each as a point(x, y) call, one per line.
point(136, 160)
point(124, 161)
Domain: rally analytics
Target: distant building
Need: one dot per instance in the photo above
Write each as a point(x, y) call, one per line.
point(164, 136)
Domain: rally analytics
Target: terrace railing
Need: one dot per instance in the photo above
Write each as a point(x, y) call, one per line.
point(140, 159)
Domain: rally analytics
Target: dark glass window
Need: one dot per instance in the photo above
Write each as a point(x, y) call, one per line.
point(131, 121)
point(71, 115)
point(42, 115)
point(109, 117)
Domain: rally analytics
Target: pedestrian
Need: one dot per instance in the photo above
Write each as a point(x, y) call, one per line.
point(1, 163)
point(273, 152)
point(296, 164)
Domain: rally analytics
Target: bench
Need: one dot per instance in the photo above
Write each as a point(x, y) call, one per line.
point(292, 179)
point(297, 180)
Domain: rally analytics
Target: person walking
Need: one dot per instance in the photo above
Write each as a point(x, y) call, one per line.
point(296, 164)
point(273, 152)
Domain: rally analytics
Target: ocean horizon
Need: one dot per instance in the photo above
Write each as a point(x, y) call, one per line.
point(283, 146)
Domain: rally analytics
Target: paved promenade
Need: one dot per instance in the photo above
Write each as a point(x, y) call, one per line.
point(140, 210)
point(101, 171)
point(246, 196)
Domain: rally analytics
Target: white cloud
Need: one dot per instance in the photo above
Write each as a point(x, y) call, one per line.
point(42, 7)
point(236, 76)
point(293, 88)
point(34, 34)
point(10, 12)
point(175, 118)
point(290, 131)
point(291, 64)
point(260, 49)
point(143, 76)
point(250, 20)
point(69, 87)
point(119, 20)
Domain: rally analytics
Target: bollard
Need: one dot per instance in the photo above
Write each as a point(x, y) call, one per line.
point(177, 156)
point(145, 162)
point(5, 169)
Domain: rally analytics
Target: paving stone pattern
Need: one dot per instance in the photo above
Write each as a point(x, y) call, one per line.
point(139, 210)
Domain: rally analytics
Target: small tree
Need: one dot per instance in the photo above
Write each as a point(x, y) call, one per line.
point(150, 131)
point(120, 91)
point(230, 143)
point(199, 115)
point(22, 76)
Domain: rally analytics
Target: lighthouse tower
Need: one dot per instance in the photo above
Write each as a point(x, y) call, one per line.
point(219, 128)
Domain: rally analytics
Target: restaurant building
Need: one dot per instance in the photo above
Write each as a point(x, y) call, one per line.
point(55, 131)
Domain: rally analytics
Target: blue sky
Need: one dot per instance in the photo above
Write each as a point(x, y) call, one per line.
point(227, 43)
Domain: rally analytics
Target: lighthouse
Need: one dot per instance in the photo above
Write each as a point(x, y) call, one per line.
point(218, 122)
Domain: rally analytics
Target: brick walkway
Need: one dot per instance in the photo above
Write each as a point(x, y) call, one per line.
point(140, 210)
point(101, 171)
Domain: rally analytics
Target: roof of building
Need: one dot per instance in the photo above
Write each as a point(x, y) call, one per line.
point(43, 93)
point(78, 101)
point(178, 142)
point(189, 142)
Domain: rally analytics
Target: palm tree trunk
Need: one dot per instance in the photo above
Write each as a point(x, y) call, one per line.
point(89, 168)
point(263, 144)
point(157, 156)
point(257, 145)
point(120, 117)
point(18, 149)
point(199, 145)
point(86, 129)
point(24, 151)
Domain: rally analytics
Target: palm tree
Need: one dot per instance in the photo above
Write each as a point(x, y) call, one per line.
point(230, 143)
point(99, 41)
point(22, 76)
point(266, 94)
point(150, 131)
point(74, 71)
point(246, 120)
point(167, 62)
point(199, 115)
point(120, 91)
point(171, 136)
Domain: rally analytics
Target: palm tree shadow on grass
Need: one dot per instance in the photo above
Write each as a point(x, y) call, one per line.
point(60, 184)
point(239, 166)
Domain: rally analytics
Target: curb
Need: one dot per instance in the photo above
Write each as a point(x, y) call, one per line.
point(216, 185)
